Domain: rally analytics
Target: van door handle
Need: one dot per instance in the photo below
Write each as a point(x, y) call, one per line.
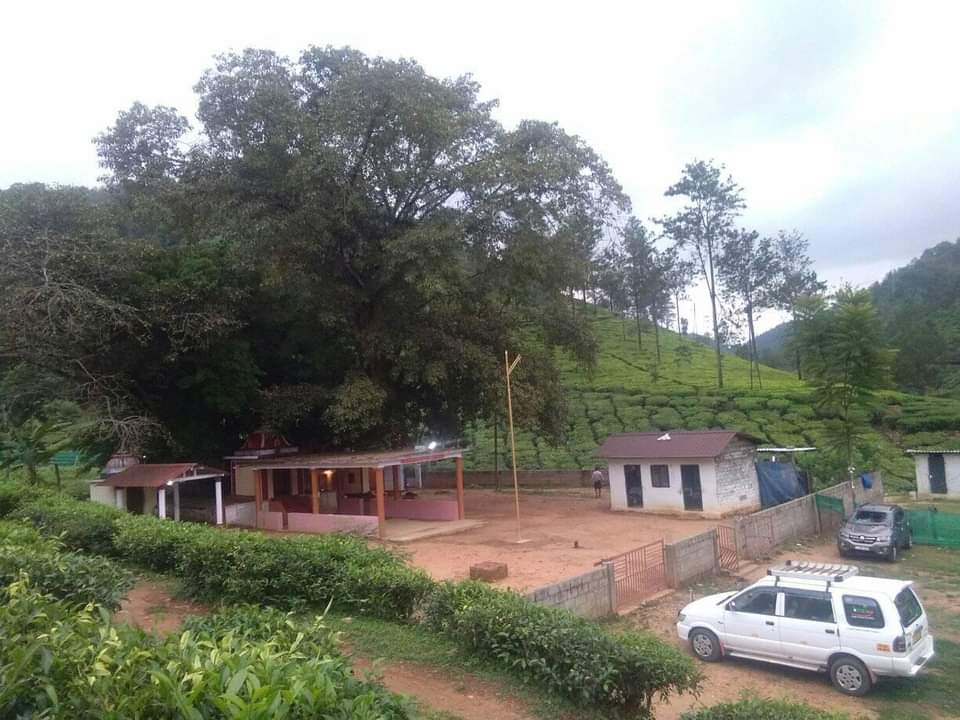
point(828, 631)
point(769, 622)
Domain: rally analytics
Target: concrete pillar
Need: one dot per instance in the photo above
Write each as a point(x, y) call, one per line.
point(419, 476)
point(219, 496)
point(269, 484)
point(396, 482)
point(258, 476)
point(176, 502)
point(162, 502)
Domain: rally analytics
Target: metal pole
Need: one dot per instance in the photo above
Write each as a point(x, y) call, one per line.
point(513, 441)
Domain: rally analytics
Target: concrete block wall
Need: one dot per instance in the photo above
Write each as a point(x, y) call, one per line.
point(737, 486)
point(445, 479)
point(591, 595)
point(691, 558)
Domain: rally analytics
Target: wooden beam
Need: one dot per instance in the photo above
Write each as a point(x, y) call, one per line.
point(396, 482)
point(458, 463)
point(258, 476)
point(315, 489)
point(381, 509)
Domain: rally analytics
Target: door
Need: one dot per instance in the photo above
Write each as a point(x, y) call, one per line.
point(938, 476)
point(808, 628)
point(634, 484)
point(750, 623)
point(692, 493)
point(135, 500)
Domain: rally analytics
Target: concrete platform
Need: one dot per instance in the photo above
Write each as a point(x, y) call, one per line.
point(401, 531)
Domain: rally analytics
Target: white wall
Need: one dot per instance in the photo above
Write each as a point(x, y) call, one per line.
point(951, 466)
point(670, 498)
point(246, 476)
point(102, 494)
point(737, 485)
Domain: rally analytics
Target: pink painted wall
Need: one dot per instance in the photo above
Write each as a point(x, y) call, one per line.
point(271, 520)
point(310, 523)
point(421, 509)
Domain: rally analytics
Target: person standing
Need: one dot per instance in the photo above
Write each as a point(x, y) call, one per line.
point(597, 478)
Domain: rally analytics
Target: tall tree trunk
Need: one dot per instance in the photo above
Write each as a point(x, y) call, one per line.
point(56, 471)
point(796, 349)
point(716, 325)
point(656, 335)
point(636, 314)
point(676, 300)
point(754, 357)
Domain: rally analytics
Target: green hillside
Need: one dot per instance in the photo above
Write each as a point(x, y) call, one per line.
point(628, 391)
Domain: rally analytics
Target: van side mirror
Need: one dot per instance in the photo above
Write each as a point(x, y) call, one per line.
point(732, 605)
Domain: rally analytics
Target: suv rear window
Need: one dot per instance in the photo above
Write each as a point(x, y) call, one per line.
point(908, 606)
point(862, 612)
point(874, 517)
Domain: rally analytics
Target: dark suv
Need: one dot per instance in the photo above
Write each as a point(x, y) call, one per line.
point(876, 530)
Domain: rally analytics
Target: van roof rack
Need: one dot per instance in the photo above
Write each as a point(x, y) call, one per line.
point(827, 572)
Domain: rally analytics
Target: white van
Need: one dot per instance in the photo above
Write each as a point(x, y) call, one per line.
point(818, 617)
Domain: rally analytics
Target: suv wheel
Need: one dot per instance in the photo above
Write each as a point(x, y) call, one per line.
point(850, 676)
point(705, 645)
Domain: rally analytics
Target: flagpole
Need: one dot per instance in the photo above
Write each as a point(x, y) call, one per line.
point(513, 441)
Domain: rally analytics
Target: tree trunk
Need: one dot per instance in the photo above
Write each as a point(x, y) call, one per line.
point(716, 324)
point(754, 359)
point(56, 471)
point(793, 331)
point(656, 335)
point(676, 299)
point(636, 314)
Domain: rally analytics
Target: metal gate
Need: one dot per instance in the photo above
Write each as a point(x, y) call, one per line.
point(638, 573)
point(758, 537)
point(727, 547)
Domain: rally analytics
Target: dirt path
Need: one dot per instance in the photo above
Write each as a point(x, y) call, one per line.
point(150, 606)
point(465, 696)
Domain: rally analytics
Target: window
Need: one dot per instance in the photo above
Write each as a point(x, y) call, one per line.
point(808, 605)
point(908, 606)
point(862, 612)
point(660, 476)
point(873, 517)
point(762, 601)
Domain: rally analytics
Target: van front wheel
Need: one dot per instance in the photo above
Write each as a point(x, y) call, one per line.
point(850, 676)
point(705, 645)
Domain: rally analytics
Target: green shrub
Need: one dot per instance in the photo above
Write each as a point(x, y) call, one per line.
point(667, 419)
point(779, 404)
point(753, 708)
point(658, 400)
point(60, 661)
point(567, 655)
point(749, 403)
point(81, 525)
point(152, 542)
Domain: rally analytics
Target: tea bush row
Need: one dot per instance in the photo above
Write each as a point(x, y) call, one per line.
point(62, 660)
point(565, 654)
point(753, 708)
point(64, 575)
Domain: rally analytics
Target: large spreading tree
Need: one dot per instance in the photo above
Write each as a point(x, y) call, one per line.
point(343, 249)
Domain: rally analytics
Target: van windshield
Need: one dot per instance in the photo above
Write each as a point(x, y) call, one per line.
point(874, 517)
point(908, 606)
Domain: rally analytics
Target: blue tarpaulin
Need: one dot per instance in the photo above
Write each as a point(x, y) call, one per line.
point(867, 480)
point(779, 482)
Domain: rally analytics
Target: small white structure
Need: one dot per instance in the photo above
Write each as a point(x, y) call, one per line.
point(709, 472)
point(938, 472)
point(143, 488)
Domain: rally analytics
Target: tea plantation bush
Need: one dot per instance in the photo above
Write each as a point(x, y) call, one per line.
point(568, 655)
point(752, 708)
point(552, 648)
point(80, 525)
point(64, 575)
point(59, 660)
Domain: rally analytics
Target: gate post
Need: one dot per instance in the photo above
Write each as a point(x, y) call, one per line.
point(611, 588)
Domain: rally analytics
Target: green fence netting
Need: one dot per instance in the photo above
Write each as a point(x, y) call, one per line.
point(931, 527)
point(825, 502)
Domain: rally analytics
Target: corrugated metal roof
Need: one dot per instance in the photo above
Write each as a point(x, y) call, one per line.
point(380, 459)
point(932, 451)
point(155, 476)
point(670, 445)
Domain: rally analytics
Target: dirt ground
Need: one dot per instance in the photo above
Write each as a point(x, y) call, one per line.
point(551, 523)
point(150, 606)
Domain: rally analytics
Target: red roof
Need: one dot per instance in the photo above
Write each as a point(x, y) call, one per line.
point(154, 476)
point(378, 459)
point(264, 440)
point(670, 444)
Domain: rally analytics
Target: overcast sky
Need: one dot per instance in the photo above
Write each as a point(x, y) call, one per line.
point(840, 119)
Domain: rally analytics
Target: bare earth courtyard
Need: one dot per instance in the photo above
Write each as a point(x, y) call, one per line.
point(551, 522)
